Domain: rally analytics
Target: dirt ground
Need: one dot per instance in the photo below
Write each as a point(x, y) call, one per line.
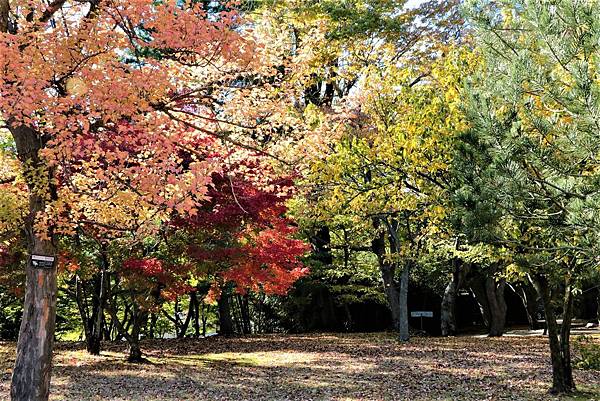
point(310, 367)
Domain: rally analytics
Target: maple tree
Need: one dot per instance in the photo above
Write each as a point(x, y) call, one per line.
point(241, 235)
point(96, 92)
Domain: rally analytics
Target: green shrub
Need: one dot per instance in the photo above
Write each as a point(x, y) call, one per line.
point(587, 352)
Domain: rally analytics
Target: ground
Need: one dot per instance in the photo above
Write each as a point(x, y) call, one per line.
point(310, 367)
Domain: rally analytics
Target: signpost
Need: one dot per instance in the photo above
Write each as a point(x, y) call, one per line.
point(42, 261)
point(421, 314)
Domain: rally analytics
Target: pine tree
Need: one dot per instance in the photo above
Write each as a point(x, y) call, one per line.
point(533, 149)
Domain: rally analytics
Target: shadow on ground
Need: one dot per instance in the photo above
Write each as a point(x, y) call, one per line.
point(311, 367)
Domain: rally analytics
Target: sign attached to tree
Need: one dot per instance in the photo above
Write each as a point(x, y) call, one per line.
point(421, 314)
point(42, 262)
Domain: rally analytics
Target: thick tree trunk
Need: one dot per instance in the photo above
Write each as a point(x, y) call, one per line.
point(33, 364)
point(562, 376)
point(495, 296)
point(448, 308)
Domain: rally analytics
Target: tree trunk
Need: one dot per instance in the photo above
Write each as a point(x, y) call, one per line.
point(448, 308)
point(528, 296)
point(153, 321)
point(194, 299)
point(489, 294)
point(562, 376)
point(495, 295)
point(204, 318)
point(321, 243)
point(139, 319)
point(403, 304)
point(225, 318)
point(82, 307)
point(133, 339)
point(388, 271)
point(4, 15)
point(478, 289)
point(598, 305)
point(243, 302)
point(565, 335)
point(188, 318)
point(98, 303)
point(33, 364)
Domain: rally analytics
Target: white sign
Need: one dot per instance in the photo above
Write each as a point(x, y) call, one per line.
point(421, 314)
point(42, 262)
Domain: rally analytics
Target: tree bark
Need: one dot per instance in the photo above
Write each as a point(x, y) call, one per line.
point(188, 317)
point(194, 300)
point(33, 364)
point(98, 303)
point(448, 308)
point(403, 329)
point(225, 319)
point(139, 319)
point(489, 294)
point(598, 305)
point(495, 295)
point(388, 271)
point(526, 292)
point(243, 302)
point(4, 14)
point(321, 243)
point(204, 318)
point(562, 376)
point(478, 289)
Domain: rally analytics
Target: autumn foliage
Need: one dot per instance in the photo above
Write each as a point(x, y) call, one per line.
point(246, 234)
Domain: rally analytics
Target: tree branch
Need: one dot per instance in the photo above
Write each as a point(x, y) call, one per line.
point(52, 8)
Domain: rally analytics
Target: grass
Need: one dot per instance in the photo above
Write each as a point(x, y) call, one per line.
point(310, 367)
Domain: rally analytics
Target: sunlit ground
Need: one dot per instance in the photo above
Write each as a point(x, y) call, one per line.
point(310, 367)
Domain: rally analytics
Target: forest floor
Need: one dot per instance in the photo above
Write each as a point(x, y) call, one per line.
point(339, 367)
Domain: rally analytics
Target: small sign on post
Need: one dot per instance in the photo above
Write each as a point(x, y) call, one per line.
point(421, 314)
point(42, 261)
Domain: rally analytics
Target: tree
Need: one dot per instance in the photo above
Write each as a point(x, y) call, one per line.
point(532, 147)
point(389, 171)
point(241, 237)
point(94, 92)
